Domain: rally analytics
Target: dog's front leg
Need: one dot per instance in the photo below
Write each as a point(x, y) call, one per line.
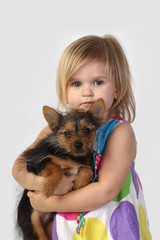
point(83, 178)
point(52, 175)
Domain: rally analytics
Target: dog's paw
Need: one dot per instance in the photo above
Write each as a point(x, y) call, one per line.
point(83, 178)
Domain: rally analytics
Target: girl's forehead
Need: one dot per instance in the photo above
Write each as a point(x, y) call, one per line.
point(94, 67)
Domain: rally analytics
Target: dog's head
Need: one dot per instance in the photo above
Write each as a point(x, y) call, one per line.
point(76, 130)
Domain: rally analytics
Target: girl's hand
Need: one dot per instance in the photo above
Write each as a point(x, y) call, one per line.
point(38, 201)
point(65, 185)
point(43, 204)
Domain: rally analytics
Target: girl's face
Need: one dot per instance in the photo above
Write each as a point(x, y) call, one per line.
point(89, 83)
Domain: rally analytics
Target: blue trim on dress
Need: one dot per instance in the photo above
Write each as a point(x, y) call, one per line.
point(103, 134)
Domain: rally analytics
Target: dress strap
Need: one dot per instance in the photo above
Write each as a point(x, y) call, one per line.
point(117, 117)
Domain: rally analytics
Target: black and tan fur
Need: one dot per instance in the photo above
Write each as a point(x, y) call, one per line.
point(69, 144)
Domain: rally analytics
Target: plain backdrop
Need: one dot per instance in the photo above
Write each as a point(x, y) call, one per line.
point(33, 34)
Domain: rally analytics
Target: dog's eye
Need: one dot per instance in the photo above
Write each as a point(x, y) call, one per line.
point(67, 134)
point(86, 130)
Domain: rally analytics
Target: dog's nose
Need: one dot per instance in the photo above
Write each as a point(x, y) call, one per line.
point(78, 145)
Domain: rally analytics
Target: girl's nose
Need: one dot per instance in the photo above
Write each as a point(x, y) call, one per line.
point(87, 91)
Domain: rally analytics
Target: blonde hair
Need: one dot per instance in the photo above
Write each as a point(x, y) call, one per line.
point(108, 50)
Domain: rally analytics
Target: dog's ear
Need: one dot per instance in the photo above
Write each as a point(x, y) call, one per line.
point(52, 117)
point(97, 109)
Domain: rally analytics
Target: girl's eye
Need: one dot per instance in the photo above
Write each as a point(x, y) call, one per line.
point(98, 82)
point(76, 84)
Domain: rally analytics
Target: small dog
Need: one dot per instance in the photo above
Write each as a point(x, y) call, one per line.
point(69, 144)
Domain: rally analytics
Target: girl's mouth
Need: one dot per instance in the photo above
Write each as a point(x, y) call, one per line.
point(87, 103)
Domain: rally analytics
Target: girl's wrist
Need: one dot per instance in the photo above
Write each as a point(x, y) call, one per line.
point(38, 183)
point(34, 183)
point(52, 203)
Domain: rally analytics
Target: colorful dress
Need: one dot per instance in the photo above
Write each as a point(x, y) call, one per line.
point(124, 218)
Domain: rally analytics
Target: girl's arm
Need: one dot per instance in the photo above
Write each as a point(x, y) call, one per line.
point(31, 181)
point(27, 179)
point(118, 155)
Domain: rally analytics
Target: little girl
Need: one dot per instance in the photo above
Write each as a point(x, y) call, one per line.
point(112, 207)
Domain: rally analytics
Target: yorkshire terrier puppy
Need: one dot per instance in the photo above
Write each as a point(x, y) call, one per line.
point(69, 144)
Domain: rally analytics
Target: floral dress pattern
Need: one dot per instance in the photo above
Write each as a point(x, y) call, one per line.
point(124, 218)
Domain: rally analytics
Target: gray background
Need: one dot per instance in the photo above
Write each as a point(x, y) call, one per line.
point(33, 34)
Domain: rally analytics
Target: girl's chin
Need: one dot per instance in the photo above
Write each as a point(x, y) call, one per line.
point(85, 106)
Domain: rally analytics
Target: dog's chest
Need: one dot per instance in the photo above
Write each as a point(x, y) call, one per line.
point(74, 171)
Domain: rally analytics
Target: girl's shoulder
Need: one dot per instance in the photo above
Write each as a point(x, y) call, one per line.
point(115, 121)
point(125, 127)
point(45, 131)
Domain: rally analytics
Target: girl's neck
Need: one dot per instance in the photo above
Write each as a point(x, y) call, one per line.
point(108, 116)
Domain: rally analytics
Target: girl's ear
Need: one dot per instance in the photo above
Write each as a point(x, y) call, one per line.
point(51, 116)
point(116, 94)
point(97, 109)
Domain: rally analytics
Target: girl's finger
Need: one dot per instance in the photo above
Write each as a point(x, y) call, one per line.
point(72, 178)
point(30, 194)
